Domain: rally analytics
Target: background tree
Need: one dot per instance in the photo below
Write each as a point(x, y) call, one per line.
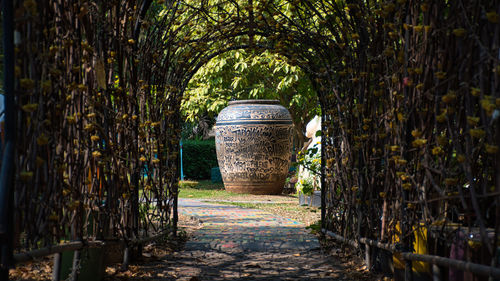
point(241, 74)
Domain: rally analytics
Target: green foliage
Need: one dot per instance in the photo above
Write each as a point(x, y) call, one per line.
point(307, 186)
point(198, 158)
point(310, 161)
point(244, 75)
point(188, 184)
point(315, 227)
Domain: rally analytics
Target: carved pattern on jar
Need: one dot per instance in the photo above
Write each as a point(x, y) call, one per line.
point(254, 143)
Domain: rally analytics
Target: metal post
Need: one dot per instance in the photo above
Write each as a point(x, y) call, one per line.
point(323, 170)
point(408, 271)
point(126, 258)
point(56, 269)
point(8, 165)
point(75, 270)
point(368, 260)
point(182, 171)
point(436, 273)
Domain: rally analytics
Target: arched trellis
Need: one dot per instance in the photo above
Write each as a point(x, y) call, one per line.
point(410, 140)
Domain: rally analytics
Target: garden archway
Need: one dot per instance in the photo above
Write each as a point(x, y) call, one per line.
point(99, 95)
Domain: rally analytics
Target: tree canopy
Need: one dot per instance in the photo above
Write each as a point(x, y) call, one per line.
point(241, 74)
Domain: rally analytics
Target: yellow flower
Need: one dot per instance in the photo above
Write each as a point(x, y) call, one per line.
point(31, 107)
point(437, 150)
point(451, 181)
point(449, 97)
point(26, 83)
point(401, 162)
point(459, 32)
point(441, 118)
point(407, 186)
point(54, 217)
point(42, 140)
point(492, 17)
point(416, 133)
point(477, 133)
point(142, 159)
point(488, 106)
point(473, 121)
point(419, 142)
point(345, 160)
point(94, 138)
point(440, 75)
point(401, 116)
point(46, 86)
point(418, 28)
point(491, 149)
point(460, 158)
point(475, 91)
point(88, 127)
point(439, 222)
point(96, 154)
point(25, 176)
point(382, 194)
point(394, 148)
point(442, 140)
point(71, 119)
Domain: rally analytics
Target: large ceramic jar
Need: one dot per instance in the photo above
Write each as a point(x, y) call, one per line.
point(254, 144)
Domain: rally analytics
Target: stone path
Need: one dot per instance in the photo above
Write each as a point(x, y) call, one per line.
point(246, 244)
point(239, 230)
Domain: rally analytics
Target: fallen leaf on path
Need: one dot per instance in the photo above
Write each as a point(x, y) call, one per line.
point(147, 255)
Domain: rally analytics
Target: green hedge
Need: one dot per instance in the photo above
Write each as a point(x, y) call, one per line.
point(198, 157)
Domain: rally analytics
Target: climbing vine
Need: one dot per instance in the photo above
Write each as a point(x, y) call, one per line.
point(408, 90)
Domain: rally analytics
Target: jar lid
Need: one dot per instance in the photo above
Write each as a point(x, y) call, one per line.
point(254, 102)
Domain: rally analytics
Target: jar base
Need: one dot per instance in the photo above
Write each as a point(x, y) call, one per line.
point(269, 189)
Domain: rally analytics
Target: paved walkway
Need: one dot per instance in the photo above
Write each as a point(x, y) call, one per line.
point(231, 229)
point(246, 244)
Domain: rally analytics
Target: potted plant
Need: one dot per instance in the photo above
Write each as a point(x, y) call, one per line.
point(309, 176)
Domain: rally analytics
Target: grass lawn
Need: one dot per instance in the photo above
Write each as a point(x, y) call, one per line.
point(282, 205)
point(203, 190)
point(305, 214)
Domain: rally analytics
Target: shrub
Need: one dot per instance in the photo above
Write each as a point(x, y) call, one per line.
point(198, 157)
point(188, 184)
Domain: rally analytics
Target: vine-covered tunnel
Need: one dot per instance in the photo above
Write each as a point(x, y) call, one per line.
point(409, 93)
